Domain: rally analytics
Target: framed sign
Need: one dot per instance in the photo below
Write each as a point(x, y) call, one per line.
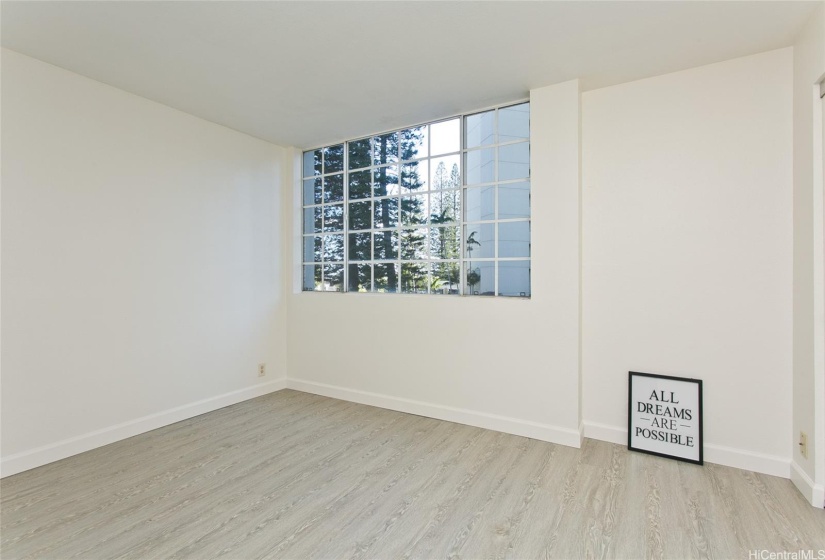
point(665, 416)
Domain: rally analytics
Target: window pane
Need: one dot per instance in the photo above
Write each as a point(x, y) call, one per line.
point(334, 159)
point(385, 181)
point(334, 218)
point(360, 184)
point(386, 213)
point(360, 246)
point(480, 129)
point(312, 191)
point(514, 239)
point(414, 143)
point(445, 137)
point(360, 215)
point(445, 243)
point(333, 247)
point(360, 153)
point(312, 163)
point(386, 278)
point(445, 173)
point(385, 149)
point(514, 201)
point(312, 249)
point(514, 123)
point(414, 176)
point(334, 188)
point(414, 209)
point(514, 161)
point(480, 166)
point(445, 206)
point(360, 278)
point(480, 204)
point(445, 278)
point(414, 244)
point(312, 277)
point(481, 279)
point(386, 246)
point(514, 278)
point(414, 278)
point(479, 241)
point(334, 277)
point(312, 220)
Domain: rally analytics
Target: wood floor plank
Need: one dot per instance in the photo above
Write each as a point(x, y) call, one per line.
point(294, 475)
point(275, 478)
point(188, 478)
point(395, 499)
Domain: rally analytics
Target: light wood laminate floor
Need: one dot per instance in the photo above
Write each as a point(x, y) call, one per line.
point(293, 475)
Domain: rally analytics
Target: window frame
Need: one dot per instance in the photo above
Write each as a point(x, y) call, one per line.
point(461, 223)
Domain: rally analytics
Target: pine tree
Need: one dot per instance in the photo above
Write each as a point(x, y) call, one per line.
point(384, 151)
point(446, 209)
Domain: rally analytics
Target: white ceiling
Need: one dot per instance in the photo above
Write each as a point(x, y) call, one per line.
point(309, 73)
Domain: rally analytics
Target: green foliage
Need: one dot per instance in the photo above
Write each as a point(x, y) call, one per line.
point(473, 277)
point(384, 151)
point(376, 174)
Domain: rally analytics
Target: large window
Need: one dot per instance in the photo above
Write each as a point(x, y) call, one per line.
point(441, 208)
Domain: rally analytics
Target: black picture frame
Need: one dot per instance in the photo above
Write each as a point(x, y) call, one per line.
point(630, 416)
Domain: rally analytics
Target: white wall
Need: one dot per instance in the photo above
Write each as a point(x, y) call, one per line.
point(500, 363)
point(687, 250)
point(141, 267)
point(808, 319)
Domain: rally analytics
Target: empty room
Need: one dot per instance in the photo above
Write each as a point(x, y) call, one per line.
point(382, 280)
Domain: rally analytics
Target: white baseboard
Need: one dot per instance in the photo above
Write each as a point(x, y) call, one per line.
point(603, 432)
point(721, 455)
point(516, 426)
point(814, 493)
point(40, 456)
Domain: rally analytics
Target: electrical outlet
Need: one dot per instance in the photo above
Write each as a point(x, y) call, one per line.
point(261, 370)
point(803, 444)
